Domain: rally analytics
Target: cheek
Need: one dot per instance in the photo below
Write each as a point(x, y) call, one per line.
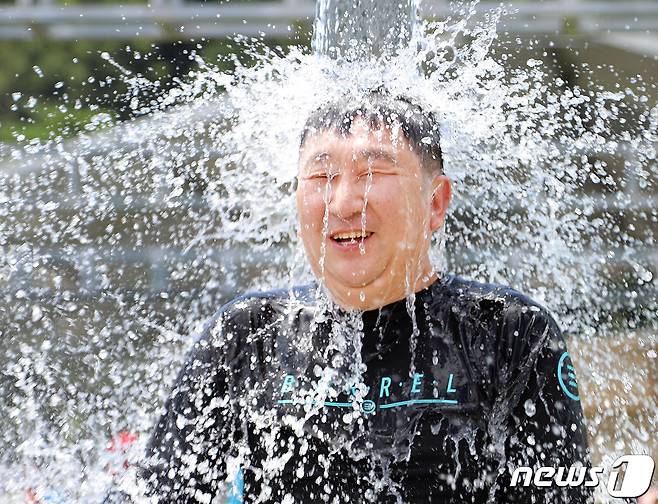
point(310, 207)
point(400, 205)
point(392, 199)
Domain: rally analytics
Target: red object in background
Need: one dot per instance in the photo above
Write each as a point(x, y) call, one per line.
point(31, 497)
point(118, 444)
point(121, 443)
point(124, 439)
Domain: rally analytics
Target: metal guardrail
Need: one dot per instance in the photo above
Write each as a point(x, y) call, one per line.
point(153, 260)
point(162, 19)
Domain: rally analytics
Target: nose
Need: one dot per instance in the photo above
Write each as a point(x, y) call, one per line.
point(346, 196)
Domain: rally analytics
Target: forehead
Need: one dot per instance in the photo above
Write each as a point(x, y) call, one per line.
point(361, 136)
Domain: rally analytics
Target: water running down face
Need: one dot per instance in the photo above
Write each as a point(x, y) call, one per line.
point(367, 209)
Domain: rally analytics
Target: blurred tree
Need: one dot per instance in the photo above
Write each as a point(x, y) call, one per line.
point(50, 88)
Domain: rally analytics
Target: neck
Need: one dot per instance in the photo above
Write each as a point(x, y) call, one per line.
point(381, 292)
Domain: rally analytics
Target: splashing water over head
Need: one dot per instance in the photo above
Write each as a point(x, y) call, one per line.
point(371, 191)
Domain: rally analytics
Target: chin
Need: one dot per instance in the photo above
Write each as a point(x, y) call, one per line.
point(355, 273)
point(352, 279)
point(348, 282)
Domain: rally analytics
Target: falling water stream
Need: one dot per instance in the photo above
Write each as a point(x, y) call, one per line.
point(120, 242)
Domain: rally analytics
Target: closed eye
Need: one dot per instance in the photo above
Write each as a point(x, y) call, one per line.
point(376, 171)
point(321, 175)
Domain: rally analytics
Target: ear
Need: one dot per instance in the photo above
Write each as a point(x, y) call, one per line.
point(441, 195)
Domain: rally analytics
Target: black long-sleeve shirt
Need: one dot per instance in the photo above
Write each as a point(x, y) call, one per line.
point(454, 392)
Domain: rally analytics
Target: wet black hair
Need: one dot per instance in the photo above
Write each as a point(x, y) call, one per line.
point(378, 108)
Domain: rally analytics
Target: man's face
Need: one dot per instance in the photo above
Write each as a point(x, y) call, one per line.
point(367, 211)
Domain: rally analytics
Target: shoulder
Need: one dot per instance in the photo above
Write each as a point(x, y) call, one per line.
point(519, 329)
point(254, 304)
point(509, 331)
point(489, 300)
point(246, 314)
point(233, 335)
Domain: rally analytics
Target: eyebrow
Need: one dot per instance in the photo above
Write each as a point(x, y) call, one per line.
point(370, 154)
point(317, 156)
point(376, 155)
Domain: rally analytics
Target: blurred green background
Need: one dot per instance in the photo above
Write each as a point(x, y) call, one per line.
point(51, 50)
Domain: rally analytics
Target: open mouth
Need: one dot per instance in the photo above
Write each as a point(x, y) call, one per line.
point(350, 237)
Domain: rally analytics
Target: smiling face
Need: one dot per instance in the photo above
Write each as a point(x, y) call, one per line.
point(367, 210)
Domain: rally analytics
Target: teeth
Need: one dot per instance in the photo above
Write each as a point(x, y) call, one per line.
point(351, 235)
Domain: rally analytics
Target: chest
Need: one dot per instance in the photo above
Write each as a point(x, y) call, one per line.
point(402, 402)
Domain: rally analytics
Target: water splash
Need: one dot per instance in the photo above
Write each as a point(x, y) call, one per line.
point(119, 243)
point(356, 30)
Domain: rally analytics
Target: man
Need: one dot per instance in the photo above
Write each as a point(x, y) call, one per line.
point(386, 381)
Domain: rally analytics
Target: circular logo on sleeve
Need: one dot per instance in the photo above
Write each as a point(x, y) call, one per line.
point(566, 376)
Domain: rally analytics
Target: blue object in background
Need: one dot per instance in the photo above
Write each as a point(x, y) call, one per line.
point(236, 490)
point(53, 498)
